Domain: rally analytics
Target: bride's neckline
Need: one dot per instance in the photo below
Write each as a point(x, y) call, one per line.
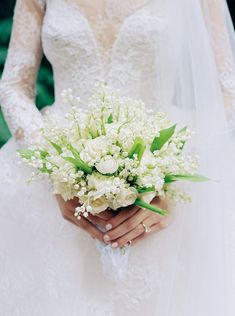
point(105, 23)
point(108, 8)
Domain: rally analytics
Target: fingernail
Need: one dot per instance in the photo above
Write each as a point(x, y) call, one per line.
point(108, 226)
point(106, 238)
point(115, 245)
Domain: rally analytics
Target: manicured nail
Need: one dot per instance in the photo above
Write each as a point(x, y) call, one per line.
point(108, 226)
point(106, 238)
point(114, 245)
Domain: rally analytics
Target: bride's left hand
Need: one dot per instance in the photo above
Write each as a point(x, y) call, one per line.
point(129, 226)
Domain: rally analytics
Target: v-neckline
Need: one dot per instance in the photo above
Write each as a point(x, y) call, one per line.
point(94, 39)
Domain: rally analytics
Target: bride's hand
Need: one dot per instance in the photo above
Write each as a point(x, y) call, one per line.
point(88, 224)
point(130, 225)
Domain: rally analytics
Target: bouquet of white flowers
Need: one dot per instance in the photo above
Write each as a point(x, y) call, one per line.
point(112, 154)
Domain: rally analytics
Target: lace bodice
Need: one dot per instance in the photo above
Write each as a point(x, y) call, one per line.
point(130, 44)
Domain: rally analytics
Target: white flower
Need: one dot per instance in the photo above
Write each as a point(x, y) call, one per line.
point(97, 144)
point(98, 181)
point(95, 149)
point(98, 205)
point(107, 165)
point(126, 197)
point(148, 159)
point(147, 197)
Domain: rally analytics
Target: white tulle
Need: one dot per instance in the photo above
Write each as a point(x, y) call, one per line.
point(114, 261)
point(175, 55)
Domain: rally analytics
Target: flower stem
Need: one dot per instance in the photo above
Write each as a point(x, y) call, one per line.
point(150, 207)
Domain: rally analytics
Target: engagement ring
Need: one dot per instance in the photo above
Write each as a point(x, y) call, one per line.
point(147, 229)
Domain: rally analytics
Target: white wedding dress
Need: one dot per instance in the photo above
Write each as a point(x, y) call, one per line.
point(176, 55)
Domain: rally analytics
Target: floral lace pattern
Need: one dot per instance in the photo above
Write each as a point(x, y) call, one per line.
point(105, 20)
point(17, 85)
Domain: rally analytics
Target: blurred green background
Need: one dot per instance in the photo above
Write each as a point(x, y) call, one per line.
point(45, 94)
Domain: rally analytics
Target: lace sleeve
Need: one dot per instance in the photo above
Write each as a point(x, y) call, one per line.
point(219, 24)
point(17, 86)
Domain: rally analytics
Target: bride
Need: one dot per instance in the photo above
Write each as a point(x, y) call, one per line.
point(178, 56)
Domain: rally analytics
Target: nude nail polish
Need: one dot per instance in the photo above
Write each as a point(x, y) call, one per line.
point(108, 226)
point(106, 238)
point(114, 245)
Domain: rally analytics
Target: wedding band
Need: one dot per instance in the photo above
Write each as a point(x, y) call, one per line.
point(147, 229)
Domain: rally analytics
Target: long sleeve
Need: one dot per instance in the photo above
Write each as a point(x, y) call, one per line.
point(221, 32)
point(17, 86)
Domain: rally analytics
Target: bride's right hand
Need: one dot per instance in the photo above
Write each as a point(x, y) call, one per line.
point(88, 224)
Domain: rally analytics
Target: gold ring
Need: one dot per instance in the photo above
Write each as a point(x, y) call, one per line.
point(129, 243)
point(147, 229)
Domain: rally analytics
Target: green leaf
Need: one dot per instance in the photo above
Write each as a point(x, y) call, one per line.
point(164, 136)
point(134, 147)
point(110, 119)
point(26, 153)
point(182, 147)
point(140, 151)
point(183, 129)
point(79, 164)
point(184, 142)
point(74, 151)
point(186, 177)
point(151, 207)
point(44, 154)
point(138, 148)
point(71, 160)
point(56, 146)
point(45, 170)
point(144, 190)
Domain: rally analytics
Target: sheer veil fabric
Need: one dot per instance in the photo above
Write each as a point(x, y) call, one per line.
point(178, 56)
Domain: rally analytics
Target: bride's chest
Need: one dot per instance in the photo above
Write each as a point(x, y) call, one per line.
point(68, 31)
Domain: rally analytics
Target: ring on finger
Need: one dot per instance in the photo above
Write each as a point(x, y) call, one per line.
point(147, 229)
point(129, 243)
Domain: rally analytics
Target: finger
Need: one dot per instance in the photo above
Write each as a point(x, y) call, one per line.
point(133, 234)
point(152, 220)
point(106, 215)
point(126, 226)
point(122, 216)
point(155, 228)
point(163, 221)
point(137, 239)
point(96, 220)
